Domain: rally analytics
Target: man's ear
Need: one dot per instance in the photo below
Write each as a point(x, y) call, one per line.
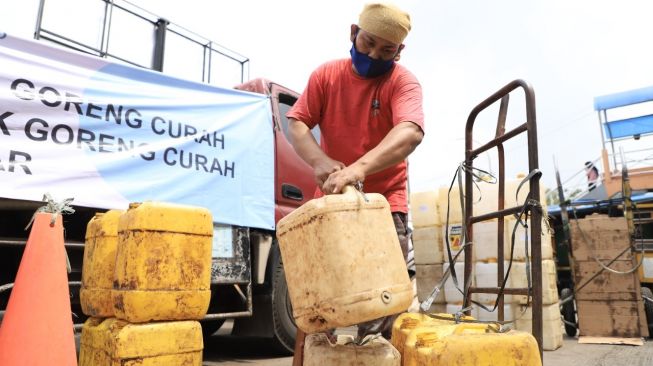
point(352, 33)
point(398, 55)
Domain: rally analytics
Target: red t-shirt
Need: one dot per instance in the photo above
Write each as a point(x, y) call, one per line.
point(352, 123)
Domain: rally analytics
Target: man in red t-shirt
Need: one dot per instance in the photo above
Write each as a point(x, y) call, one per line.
point(369, 109)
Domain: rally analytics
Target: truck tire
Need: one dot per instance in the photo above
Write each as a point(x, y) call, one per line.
point(210, 327)
point(568, 313)
point(285, 330)
point(648, 309)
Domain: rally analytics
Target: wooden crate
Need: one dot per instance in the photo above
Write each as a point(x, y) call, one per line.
point(610, 305)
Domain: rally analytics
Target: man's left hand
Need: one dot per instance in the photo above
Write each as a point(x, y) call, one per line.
point(339, 179)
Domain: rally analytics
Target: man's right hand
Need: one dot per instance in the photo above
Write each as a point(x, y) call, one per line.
point(323, 168)
point(308, 149)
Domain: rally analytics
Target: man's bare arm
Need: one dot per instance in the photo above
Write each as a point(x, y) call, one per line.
point(309, 150)
point(394, 148)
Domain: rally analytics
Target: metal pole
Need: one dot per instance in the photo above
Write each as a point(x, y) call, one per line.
point(159, 44)
point(536, 218)
point(601, 129)
point(501, 130)
point(468, 211)
point(614, 153)
point(39, 20)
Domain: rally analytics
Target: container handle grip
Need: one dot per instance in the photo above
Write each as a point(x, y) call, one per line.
point(475, 327)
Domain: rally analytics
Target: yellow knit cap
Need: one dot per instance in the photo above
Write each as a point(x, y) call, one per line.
point(385, 21)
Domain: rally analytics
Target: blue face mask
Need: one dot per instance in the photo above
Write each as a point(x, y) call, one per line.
point(367, 66)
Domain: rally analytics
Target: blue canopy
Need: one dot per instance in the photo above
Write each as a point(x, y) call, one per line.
point(592, 205)
point(623, 99)
point(629, 127)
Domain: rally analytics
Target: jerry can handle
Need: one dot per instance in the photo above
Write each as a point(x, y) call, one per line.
point(475, 327)
point(358, 186)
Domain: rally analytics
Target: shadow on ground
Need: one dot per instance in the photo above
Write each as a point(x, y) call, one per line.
point(222, 348)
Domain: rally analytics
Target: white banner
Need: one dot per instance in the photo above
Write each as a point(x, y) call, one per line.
point(107, 134)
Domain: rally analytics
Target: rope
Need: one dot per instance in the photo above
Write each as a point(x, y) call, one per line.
point(463, 167)
point(521, 219)
point(55, 208)
point(458, 318)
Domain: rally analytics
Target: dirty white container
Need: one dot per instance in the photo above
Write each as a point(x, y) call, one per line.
point(427, 277)
point(551, 324)
point(454, 233)
point(427, 245)
point(451, 293)
point(452, 201)
point(318, 351)
point(486, 198)
point(343, 262)
point(520, 247)
point(510, 198)
point(486, 276)
point(485, 201)
point(549, 284)
point(485, 240)
point(424, 209)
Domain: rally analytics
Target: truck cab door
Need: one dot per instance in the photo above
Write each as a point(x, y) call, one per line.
point(294, 182)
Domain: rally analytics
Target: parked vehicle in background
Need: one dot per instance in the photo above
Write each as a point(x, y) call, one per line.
point(248, 281)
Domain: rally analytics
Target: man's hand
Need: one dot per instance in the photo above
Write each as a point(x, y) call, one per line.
point(323, 168)
point(339, 179)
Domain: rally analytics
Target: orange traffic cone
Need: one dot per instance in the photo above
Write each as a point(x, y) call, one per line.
point(37, 328)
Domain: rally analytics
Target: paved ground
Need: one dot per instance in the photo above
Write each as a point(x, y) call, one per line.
point(574, 354)
point(226, 350)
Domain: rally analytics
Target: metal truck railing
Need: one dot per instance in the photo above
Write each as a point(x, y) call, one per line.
point(186, 54)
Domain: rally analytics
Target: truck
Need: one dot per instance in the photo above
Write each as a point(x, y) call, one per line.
point(623, 189)
point(247, 281)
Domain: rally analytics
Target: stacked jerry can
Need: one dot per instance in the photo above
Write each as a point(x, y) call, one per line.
point(145, 283)
point(486, 268)
point(427, 246)
point(343, 266)
point(438, 339)
point(552, 331)
point(319, 351)
point(431, 239)
point(485, 261)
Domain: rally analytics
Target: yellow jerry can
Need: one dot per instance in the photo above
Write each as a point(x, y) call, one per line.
point(318, 351)
point(407, 322)
point(114, 342)
point(99, 264)
point(163, 263)
point(90, 353)
point(470, 344)
point(342, 261)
